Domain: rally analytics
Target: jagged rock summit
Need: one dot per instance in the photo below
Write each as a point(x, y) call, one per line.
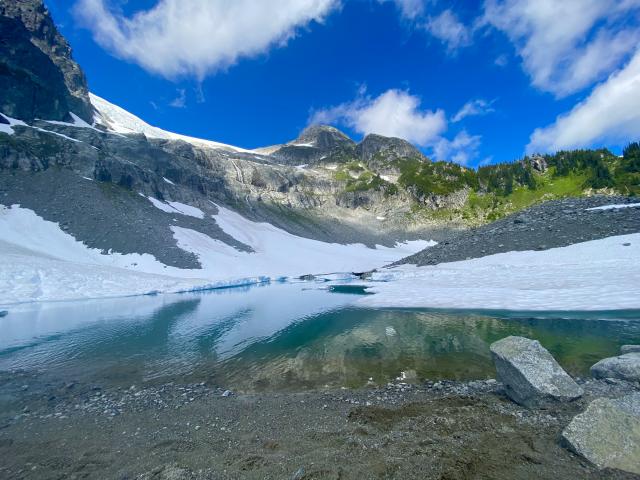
point(38, 76)
point(377, 147)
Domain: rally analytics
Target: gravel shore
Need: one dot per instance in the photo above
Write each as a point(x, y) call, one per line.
point(434, 430)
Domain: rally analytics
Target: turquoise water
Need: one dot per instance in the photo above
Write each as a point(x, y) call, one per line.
point(286, 337)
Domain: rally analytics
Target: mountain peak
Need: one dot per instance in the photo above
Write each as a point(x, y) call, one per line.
point(323, 137)
point(391, 147)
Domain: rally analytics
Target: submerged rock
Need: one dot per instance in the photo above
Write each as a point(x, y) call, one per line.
point(608, 433)
point(3, 313)
point(624, 367)
point(629, 349)
point(530, 375)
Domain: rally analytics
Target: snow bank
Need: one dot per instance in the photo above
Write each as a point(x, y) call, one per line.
point(40, 262)
point(278, 253)
point(596, 275)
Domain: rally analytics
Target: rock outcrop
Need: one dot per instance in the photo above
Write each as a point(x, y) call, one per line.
point(377, 151)
point(316, 143)
point(530, 375)
point(624, 367)
point(608, 433)
point(38, 76)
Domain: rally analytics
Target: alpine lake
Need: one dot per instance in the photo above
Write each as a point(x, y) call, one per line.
point(286, 337)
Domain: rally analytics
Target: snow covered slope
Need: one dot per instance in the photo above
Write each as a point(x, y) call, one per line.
point(40, 262)
point(117, 119)
point(596, 275)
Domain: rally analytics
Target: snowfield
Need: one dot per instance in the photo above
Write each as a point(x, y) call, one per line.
point(596, 275)
point(40, 262)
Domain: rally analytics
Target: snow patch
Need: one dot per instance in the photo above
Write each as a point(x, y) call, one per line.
point(595, 275)
point(614, 207)
point(4, 128)
point(176, 207)
point(119, 120)
point(185, 209)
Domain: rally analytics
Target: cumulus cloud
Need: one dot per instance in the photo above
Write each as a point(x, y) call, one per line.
point(610, 113)
point(462, 149)
point(395, 113)
point(473, 108)
point(196, 37)
point(449, 30)
point(569, 45)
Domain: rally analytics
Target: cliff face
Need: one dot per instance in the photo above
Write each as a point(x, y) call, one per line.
point(38, 76)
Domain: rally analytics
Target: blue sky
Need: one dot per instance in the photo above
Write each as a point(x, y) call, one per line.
point(467, 81)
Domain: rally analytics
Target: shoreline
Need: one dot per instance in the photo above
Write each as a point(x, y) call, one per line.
point(443, 429)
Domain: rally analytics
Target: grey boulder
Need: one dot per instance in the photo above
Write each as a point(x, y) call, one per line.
point(608, 433)
point(530, 375)
point(629, 349)
point(623, 367)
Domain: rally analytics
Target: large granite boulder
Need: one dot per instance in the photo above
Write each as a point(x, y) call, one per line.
point(608, 433)
point(530, 375)
point(629, 349)
point(623, 367)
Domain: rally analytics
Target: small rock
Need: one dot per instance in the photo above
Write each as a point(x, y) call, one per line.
point(530, 375)
point(299, 475)
point(626, 244)
point(623, 367)
point(227, 393)
point(4, 313)
point(608, 433)
point(629, 349)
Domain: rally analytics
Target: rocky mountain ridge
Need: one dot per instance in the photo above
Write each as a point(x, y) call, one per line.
point(321, 185)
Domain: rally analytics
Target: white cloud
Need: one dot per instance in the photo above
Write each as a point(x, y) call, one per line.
point(395, 113)
point(409, 9)
point(181, 100)
point(566, 45)
point(449, 30)
point(473, 108)
point(196, 37)
point(502, 60)
point(610, 113)
point(462, 149)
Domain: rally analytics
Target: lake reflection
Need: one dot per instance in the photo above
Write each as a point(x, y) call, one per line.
point(282, 336)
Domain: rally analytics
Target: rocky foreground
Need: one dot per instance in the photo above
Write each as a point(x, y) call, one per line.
point(433, 430)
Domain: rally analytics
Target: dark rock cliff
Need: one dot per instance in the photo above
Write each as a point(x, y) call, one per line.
point(38, 76)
